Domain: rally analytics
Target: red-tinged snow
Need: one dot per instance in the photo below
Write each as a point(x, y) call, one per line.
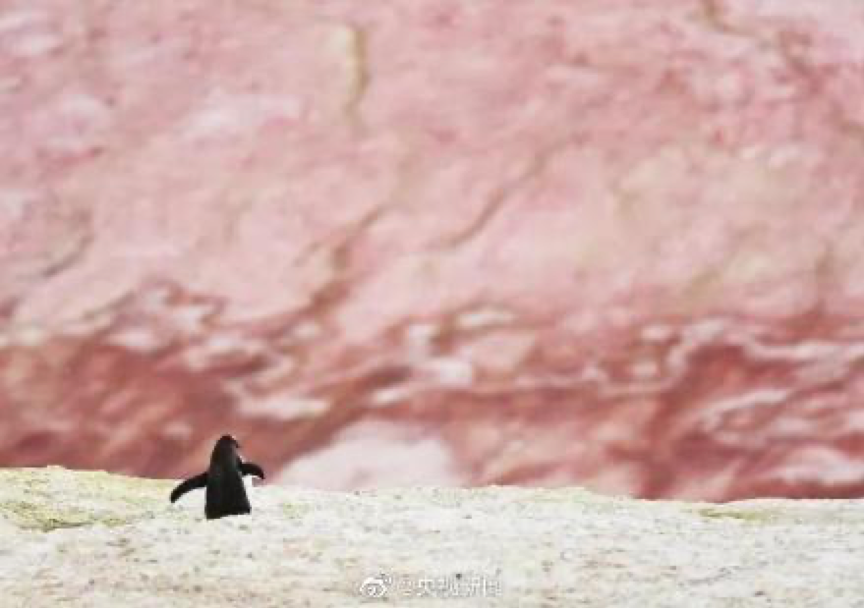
point(539, 243)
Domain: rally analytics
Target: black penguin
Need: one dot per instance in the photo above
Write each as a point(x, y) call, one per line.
point(226, 494)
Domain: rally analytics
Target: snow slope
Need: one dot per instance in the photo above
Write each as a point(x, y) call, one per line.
point(93, 539)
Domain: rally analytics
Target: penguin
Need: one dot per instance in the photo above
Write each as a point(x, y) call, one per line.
point(226, 494)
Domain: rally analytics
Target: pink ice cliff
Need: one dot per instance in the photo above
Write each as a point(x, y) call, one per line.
point(608, 243)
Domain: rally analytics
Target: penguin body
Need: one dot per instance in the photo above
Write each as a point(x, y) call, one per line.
point(226, 494)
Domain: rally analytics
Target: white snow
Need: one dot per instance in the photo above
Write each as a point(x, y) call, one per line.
point(92, 539)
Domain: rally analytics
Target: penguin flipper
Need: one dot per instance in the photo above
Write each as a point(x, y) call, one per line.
point(193, 483)
point(250, 468)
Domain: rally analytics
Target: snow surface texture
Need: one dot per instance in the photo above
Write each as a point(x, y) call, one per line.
point(94, 539)
point(518, 242)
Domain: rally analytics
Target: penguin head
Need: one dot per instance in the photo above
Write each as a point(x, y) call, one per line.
point(228, 440)
point(225, 450)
